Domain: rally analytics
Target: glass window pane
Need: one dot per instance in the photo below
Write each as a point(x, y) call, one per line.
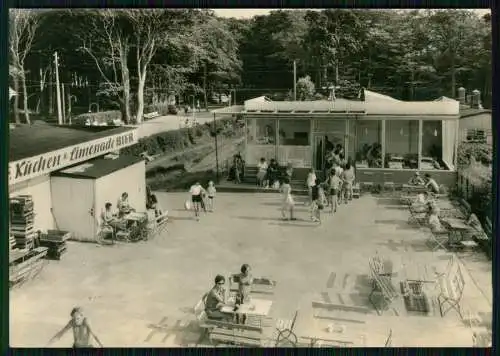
point(261, 131)
point(294, 132)
point(401, 144)
point(369, 148)
point(432, 145)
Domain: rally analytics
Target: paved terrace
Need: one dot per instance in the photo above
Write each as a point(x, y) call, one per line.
point(126, 289)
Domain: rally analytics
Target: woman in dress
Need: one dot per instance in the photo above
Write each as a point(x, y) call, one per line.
point(287, 202)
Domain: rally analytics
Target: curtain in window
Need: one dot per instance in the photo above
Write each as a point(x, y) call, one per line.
point(450, 137)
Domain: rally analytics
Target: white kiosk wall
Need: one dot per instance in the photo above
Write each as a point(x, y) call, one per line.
point(73, 205)
point(131, 179)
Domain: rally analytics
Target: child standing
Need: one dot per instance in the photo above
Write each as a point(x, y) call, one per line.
point(348, 178)
point(211, 191)
point(310, 182)
point(335, 184)
point(288, 203)
point(317, 196)
point(81, 330)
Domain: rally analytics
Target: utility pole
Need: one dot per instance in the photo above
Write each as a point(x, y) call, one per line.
point(216, 152)
point(205, 85)
point(51, 91)
point(63, 104)
point(295, 80)
point(58, 90)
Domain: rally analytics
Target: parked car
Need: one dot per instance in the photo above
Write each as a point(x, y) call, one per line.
point(224, 99)
point(148, 158)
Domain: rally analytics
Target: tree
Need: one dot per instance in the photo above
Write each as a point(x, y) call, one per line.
point(106, 38)
point(22, 29)
point(305, 88)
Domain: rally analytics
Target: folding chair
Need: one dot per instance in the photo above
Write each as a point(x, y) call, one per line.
point(284, 331)
point(451, 291)
point(157, 224)
point(418, 215)
point(388, 342)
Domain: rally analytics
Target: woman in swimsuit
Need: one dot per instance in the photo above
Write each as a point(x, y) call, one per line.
point(81, 330)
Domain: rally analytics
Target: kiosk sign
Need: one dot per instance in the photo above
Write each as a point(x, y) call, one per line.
point(52, 161)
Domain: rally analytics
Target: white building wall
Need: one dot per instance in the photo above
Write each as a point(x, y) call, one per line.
point(40, 190)
point(131, 179)
point(73, 202)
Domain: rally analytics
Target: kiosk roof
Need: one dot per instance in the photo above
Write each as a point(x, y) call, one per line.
point(28, 141)
point(98, 167)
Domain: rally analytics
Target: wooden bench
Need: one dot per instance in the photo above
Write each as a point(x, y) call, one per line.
point(326, 310)
point(382, 283)
point(234, 334)
point(151, 115)
point(451, 287)
point(260, 285)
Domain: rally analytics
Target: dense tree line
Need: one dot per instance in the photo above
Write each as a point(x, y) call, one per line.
point(125, 59)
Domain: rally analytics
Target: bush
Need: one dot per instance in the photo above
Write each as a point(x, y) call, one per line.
point(480, 151)
point(162, 109)
point(101, 117)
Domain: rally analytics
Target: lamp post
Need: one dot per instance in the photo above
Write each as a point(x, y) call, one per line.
point(192, 109)
point(231, 91)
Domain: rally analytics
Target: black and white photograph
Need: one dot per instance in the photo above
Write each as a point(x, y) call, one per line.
point(264, 178)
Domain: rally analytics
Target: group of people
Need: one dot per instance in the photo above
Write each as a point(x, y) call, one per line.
point(116, 219)
point(201, 198)
point(218, 297)
point(428, 182)
point(268, 174)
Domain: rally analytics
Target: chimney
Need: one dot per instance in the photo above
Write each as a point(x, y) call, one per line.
point(476, 99)
point(461, 95)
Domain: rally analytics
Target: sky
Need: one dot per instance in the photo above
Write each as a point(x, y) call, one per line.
point(248, 13)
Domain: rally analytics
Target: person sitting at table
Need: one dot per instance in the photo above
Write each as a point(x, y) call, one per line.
point(124, 207)
point(216, 300)
point(431, 184)
point(433, 217)
point(109, 219)
point(416, 180)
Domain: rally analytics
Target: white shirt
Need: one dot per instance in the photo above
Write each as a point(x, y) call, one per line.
point(311, 179)
point(195, 189)
point(262, 166)
point(338, 170)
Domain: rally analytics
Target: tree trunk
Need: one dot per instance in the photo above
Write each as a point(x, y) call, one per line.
point(25, 98)
point(412, 89)
point(16, 99)
point(205, 86)
point(453, 81)
point(51, 94)
point(126, 84)
point(336, 73)
point(140, 94)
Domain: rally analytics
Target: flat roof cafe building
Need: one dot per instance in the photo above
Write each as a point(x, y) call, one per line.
point(70, 174)
point(388, 139)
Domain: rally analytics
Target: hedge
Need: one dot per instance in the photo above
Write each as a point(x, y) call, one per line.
point(177, 140)
point(480, 151)
point(102, 116)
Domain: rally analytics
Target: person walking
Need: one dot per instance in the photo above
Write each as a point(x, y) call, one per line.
point(197, 192)
point(310, 182)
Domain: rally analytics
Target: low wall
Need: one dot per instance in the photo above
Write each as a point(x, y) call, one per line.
point(399, 177)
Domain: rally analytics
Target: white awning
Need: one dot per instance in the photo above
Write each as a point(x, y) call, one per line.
point(229, 110)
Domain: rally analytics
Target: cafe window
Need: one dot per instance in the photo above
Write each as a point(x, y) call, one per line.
point(261, 131)
point(294, 132)
point(401, 144)
point(369, 147)
point(432, 145)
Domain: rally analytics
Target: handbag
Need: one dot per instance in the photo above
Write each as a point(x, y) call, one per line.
point(187, 205)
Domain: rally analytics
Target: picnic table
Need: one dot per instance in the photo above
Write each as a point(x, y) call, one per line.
point(373, 331)
point(254, 307)
point(412, 188)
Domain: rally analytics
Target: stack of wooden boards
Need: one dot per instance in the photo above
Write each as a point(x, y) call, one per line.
point(25, 261)
point(55, 241)
point(21, 221)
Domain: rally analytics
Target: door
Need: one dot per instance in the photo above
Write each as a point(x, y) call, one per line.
point(318, 156)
